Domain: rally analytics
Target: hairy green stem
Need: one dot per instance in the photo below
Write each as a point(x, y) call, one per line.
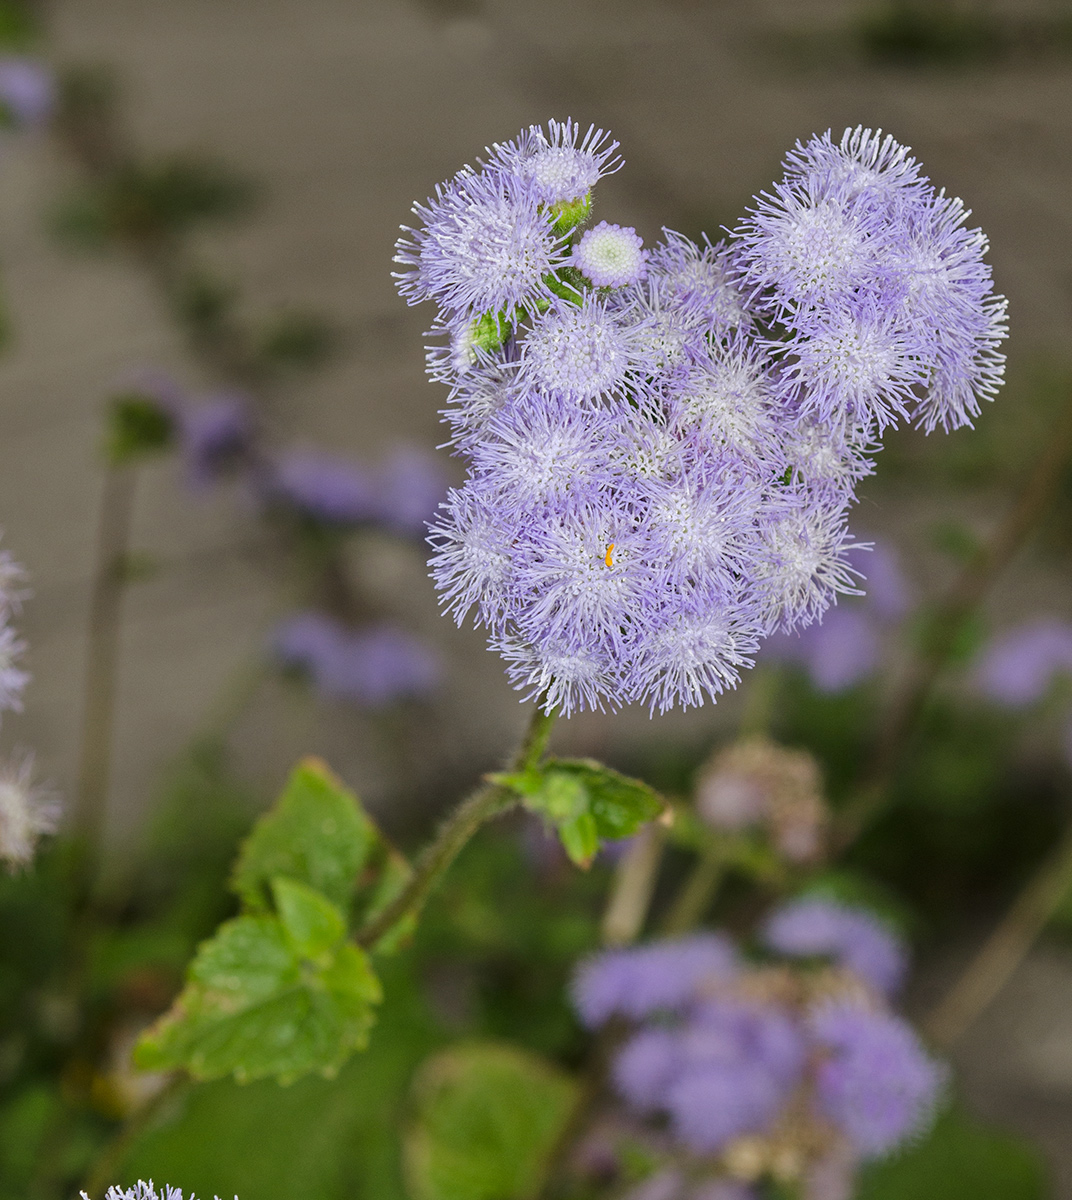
point(479, 806)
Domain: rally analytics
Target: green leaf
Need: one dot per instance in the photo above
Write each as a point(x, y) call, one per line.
point(317, 834)
point(488, 1117)
point(313, 925)
point(254, 1008)
point(960, 1160)
point(586, 801)
point(619, 804)
point(580, 838)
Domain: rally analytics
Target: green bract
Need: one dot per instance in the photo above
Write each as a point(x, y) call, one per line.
point(585, 801)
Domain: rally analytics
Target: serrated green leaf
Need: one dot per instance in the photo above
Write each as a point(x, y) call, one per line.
point(248, 959)
point(313, 925)
point(488, 1117)
point(252, 1008)
point(618, 803)
point(316, 834)
point(580, 838)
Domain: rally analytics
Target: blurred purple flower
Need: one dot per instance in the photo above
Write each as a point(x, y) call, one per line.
point(837, 652)
point(885, 585)
point(325, 488)
point(409, 486)
point(1018, 667)
point(27, 91)
point(213, 435)
point(723, 1189)
point(372, 667)
point(852, 937)
point(644, 979)
point(739, 1064)
point(878, 1084)
point(646, 1066)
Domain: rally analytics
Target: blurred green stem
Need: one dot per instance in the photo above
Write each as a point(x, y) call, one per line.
point(1003, 951)
point(963, 598)
point(634, 883)
point(479, 806)
point(102, 662)
point(692, 902)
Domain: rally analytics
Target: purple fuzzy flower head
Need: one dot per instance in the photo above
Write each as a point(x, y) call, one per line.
point(884, 292)
point(739, 1064)
point(1018, 667)
point(645, 979)
point(852, 937)
point(214, 434)
point(663, 445)
point(372, 667)
point(558, 165)
point(27, 92)
point(485, 245)
point(876, 1082)
point(611, 256)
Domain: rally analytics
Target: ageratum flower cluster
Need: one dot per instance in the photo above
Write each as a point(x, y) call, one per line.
point(663, 445)
point(780, 1069)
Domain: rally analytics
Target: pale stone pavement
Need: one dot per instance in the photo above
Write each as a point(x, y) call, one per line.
point(348, 110)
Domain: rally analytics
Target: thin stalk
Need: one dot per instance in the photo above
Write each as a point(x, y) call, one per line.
point(479, 806)
point(634, 883)
point(102, 661)
point(958, 605)
point(1003, 951)
point(695, 898)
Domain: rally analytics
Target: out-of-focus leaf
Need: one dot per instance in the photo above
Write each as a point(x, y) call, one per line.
point(317, 833)
point(312, 923)
point(137, 426)
point(256, 1005)
point(960, 1160)
point(488, 1116)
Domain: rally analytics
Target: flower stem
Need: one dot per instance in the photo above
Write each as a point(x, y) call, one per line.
point(960, 602)
point(1003, 951)
point(102, 654)
point(479, 806)
point(634, 882)
point(694, 899)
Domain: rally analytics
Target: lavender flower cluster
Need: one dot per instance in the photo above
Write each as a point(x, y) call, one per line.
point(663, 445)
point(769, 1064)
point(374, 665)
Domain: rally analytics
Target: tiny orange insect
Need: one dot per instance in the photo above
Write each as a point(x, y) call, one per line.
point(609, 560)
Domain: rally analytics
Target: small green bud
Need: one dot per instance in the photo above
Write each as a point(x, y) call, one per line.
point(568, 284)
point(489, 331)
point(568, 214)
